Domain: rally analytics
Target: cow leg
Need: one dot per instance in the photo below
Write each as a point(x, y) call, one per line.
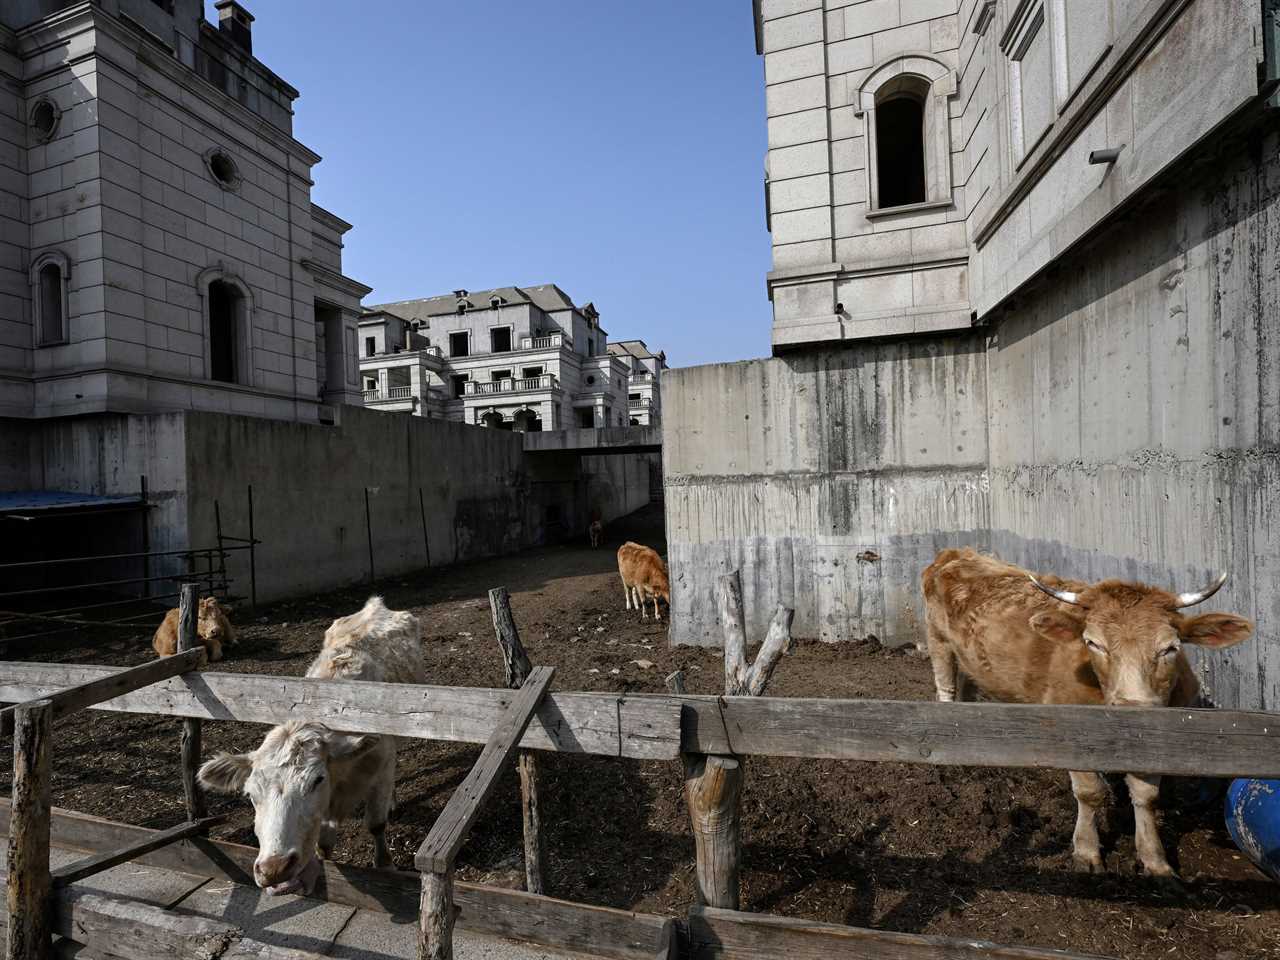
point(1091, 793)
point(945, 667)
point(657, 614)
point(328, 837)
point(964, 687)
point(626, 592)
point(640, 602)
point(377, 808)
point(1144, 791)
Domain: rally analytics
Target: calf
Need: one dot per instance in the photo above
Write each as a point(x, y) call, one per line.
point(596, 529)
point(1053, 641)
point(305, 778)
point(644, 577)
point(212, 626)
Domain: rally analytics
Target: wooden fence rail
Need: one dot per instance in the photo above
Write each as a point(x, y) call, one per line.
point(1211, 743)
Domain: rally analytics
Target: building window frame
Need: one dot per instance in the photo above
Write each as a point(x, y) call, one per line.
point(460, 333)
point(43, 119)
point(51, 332)
point(934, 83)
point(242, 324)
point(510, 337)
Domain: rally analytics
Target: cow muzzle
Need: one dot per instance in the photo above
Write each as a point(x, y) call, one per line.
point(285, 873)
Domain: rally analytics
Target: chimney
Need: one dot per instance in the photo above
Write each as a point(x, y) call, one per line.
point(236, 24)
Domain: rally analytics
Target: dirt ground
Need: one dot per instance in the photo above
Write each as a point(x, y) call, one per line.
point(956, 852)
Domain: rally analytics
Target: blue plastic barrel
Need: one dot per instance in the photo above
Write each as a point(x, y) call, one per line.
point(1253, 820)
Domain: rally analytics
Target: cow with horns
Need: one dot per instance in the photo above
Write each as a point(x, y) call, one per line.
point(1044, 640)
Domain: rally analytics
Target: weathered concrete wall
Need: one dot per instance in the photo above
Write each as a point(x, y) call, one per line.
point(1121, 419)
point(1134, 423)
point(791, 468)
point(309, 494)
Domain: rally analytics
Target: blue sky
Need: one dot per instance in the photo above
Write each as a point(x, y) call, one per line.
point(615, 148)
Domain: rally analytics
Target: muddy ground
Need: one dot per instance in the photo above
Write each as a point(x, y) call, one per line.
point(957, 852)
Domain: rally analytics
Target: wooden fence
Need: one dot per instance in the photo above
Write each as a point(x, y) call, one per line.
point(709, 733)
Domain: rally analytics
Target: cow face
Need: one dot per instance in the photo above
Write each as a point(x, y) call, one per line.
point(289, 782)
point(1133, 637)
point(213, 624)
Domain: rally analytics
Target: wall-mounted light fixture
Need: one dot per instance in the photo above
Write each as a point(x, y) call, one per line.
point(1109, 155)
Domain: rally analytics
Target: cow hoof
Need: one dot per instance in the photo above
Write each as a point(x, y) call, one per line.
point(1088, 864)
point(1169, 881)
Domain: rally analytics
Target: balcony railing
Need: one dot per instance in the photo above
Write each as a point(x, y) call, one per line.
point(393, 393)
point(641, 376)
point(542, 343)
point(547, 381)
point(642, 404)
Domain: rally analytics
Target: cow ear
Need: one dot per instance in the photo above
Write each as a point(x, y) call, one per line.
point(1058, 625)
point(226, 773)
point(343, 746)
point(1215, 630)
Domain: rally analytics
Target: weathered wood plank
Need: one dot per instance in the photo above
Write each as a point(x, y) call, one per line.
point(639, 728)
point(599, 931)
point(450, 830)
point(115, 683)
point(27, 895)
point(712, 792)
point(715, 934)
point(140, 931)
point(105, 861)
point(516, 663)
point(1210, 743)
point(1216, 743)
point(189, 740)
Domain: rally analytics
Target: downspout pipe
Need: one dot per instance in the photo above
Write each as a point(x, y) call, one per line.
point(1269, 82)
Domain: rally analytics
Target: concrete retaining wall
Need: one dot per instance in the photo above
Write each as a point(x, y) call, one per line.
point(481, 494)
point(1121, 419)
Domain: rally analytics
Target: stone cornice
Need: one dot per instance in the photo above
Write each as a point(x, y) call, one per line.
point(338, 281)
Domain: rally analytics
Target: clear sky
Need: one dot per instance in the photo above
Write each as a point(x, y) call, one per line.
point(612, 147)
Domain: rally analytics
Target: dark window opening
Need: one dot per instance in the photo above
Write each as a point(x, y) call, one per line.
point(586, 416)
point(500, 340)
point(635, 422)
point(530, 372)
point(51, 319)
point(370, 346)
point(224, 299)
point(459, 381)
point(223, 169)
point(496, 375)
point(633, 396)
point(44, 119)
point(459, 345)
point(900, 151)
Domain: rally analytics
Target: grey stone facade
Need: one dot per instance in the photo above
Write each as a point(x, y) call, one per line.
point(644, 396)
point(159, 249)
point(1108, 410)
point(1011, 97)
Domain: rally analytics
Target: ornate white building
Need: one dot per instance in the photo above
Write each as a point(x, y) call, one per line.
point(514, 358)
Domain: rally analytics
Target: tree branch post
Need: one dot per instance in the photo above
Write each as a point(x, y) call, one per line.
point(517, 669)
point(713, 784)
point(30, 885)
point(189, 639)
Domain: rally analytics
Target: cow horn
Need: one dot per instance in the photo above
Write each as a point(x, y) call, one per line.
point(1066, 596)
point(1191, 599)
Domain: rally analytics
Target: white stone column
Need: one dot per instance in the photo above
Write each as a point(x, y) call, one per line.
point(382, 382)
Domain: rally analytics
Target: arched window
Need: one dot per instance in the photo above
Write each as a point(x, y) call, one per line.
point(228, 326)
point(904, 105)
point(900, 146)
point(50, 277)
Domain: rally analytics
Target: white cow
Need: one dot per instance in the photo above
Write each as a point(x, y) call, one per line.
point(306, 778)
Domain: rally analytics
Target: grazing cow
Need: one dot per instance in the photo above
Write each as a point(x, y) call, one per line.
point(212, 626)
point(305, 778)
point(596, 529)
point(644, 577)
point(1053, 641)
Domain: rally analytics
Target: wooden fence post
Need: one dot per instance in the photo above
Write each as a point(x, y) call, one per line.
point(188, 639)
point(30, 919)
point(517, 667)
point(713, 784)
point(436, 913)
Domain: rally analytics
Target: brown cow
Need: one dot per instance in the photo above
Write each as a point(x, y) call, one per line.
point(644, 577)
point(1053, 641)
point(213, 627)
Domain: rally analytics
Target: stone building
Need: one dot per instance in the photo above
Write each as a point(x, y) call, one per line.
point(522, 358)
point(644, 399)
point(159, 249)
point(1025, 299)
